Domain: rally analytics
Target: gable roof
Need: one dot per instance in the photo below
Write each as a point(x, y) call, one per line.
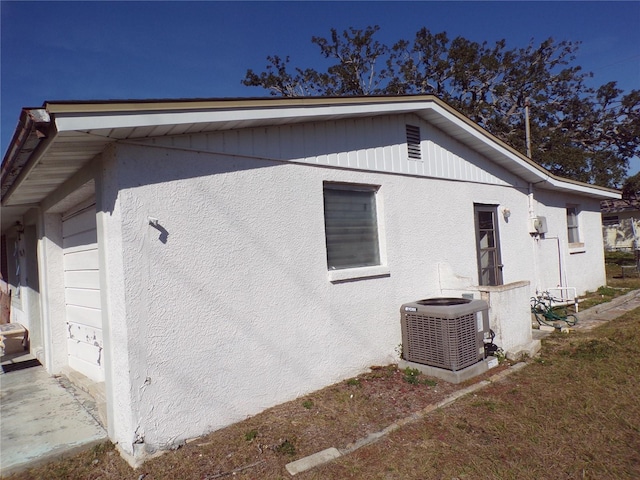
point(55, 141)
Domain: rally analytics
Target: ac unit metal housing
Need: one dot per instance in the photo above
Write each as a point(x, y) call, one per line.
point(446, 333)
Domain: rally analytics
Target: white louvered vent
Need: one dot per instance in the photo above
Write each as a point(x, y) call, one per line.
point(413, 142)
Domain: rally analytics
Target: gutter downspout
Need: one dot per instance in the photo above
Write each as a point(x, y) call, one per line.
point(534, 252)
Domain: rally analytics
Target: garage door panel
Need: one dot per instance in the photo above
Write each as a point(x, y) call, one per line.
point(80, 222)
point(91, 317)
point(82, 260)
point(89, 279)
point(91, 370)
point(85, 333)
point(82, 297)
point(90, 354)
point(81, 241)
point(82, 291)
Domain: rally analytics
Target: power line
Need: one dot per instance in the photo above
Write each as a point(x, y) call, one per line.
point(618, 62)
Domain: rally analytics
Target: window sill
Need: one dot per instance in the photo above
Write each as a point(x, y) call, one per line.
point(576, 248)
point(347, 274)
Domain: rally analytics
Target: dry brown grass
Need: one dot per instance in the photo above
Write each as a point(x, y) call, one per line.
point(572, 413)
point(333, 417)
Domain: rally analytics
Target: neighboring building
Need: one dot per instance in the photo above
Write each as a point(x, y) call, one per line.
point(208, 259)
point(621, 224)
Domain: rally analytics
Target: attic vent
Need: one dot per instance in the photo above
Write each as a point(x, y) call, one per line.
point(413, 142)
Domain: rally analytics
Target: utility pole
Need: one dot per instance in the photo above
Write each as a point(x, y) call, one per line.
point(527, 129)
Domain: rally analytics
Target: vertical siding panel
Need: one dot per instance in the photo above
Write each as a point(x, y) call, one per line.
point(439, 161)
point(397, 161)
point(465, 171)
point(429, 159)
point(411, 167)
point(402, 146)
point(199, 142)
point(388, 158)
point(352, 154)
point(182, 141)
point(364, 138)
point(443, 163)
point(331, 143)
point(379, 158)
point(286, 147)
point(214, 142)
point(377, 135)
point(321, 143)
point(230, 141)
point(310, 142)
point(455, 167)
point(395, 148)
point(245, 142)
point(273, 142)
point(297, 142)
point(369, 149)
point(374, 144)
point(448, 172)
point(259, 143)
point(383, 154)
point(340, 144)
point(361, 155)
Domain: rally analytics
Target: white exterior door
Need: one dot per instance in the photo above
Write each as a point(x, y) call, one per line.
point(82, 291)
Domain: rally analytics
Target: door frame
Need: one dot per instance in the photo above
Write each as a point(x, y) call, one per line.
point(494, 250)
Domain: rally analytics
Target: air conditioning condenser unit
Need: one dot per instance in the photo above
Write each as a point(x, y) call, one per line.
point(446, 333)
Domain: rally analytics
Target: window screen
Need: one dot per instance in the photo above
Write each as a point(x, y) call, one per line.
point(351, 226)
point(572, 225)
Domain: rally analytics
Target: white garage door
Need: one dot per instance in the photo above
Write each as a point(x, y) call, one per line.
point(82, 291)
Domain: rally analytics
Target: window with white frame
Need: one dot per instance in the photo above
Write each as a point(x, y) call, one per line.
point(351, 226)
point(610, 220)
point(573, 230)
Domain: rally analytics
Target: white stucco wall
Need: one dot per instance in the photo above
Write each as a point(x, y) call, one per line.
point(225, 307)
point(580, 267)
point(229, 309)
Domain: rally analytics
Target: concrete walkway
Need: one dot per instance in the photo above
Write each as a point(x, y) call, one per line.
point(39, 419)
point(606, 312)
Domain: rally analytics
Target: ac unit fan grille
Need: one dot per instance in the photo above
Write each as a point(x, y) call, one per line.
point(449, 343)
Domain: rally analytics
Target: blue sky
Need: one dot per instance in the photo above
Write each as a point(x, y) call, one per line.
point(133, 50)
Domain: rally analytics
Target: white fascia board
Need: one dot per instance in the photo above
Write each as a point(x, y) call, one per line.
point(584, 189)
point(75, 122)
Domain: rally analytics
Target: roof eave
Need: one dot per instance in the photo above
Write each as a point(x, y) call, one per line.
point(38, 124)
point(33, 127)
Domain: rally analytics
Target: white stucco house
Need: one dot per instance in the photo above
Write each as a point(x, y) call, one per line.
point(204, 260)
